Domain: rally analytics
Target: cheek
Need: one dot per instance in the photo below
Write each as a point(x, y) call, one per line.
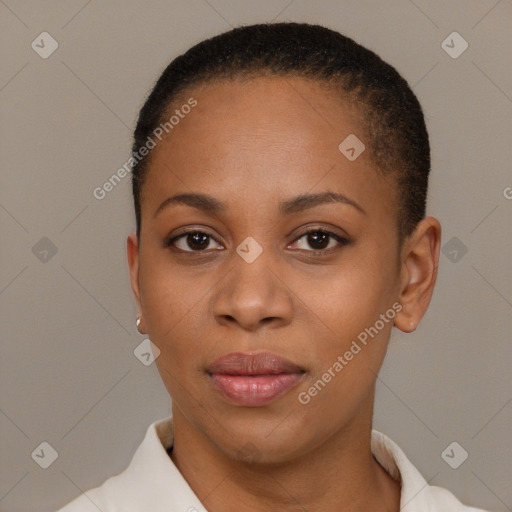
point(359, 325)
point(171, 305)
point(354, 307)
point(357, 293)
point(167, 292)
point(345, 365)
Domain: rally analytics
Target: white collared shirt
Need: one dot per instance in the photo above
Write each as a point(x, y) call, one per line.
point(152, 482)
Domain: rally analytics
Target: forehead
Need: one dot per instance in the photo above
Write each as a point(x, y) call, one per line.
point(278, 107)
point(268, 136)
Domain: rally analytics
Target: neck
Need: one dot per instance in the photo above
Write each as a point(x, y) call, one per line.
point(339, 474)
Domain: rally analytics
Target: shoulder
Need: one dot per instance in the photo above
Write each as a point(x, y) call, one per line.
point(85, 503)
point(150, 482)
point(445, 501)
point(417, 495)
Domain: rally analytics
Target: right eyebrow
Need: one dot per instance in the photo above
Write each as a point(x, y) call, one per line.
point(200, 201)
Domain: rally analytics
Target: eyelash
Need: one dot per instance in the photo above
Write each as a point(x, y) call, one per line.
point(341, 240)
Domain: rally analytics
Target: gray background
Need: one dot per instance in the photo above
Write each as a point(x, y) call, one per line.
point(69, 376)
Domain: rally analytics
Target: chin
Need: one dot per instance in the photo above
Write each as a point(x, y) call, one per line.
point(264, 442)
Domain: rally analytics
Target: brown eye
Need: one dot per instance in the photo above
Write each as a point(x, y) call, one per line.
point(319, 240)
point(191, 241)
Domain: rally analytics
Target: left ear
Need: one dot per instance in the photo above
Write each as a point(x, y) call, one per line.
point(420, 260)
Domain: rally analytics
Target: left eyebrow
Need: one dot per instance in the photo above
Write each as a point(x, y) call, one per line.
point(293, 205)
point(306, 201)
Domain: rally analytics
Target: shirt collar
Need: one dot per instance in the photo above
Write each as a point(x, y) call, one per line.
point(415, 494)
point(153, 482)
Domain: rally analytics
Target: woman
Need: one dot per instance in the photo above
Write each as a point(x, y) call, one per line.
point(280, 176)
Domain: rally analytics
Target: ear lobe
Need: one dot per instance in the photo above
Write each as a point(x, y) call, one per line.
point(420, 260)
point(132, 253)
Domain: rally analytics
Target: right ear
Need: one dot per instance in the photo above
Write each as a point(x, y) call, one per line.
point(132, 252)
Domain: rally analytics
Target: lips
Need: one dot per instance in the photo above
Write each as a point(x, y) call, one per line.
point(254, 379)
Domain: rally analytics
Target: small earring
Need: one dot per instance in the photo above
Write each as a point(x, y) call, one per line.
point(137, 323)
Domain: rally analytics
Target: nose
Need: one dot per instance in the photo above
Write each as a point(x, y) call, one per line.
point(253, 296)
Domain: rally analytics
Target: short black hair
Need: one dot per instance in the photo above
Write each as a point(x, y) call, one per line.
point(391, 113)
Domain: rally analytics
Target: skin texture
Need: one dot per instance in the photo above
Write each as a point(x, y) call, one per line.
point(252, 145)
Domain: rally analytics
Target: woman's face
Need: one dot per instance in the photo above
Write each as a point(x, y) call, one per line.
point(254, 282)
